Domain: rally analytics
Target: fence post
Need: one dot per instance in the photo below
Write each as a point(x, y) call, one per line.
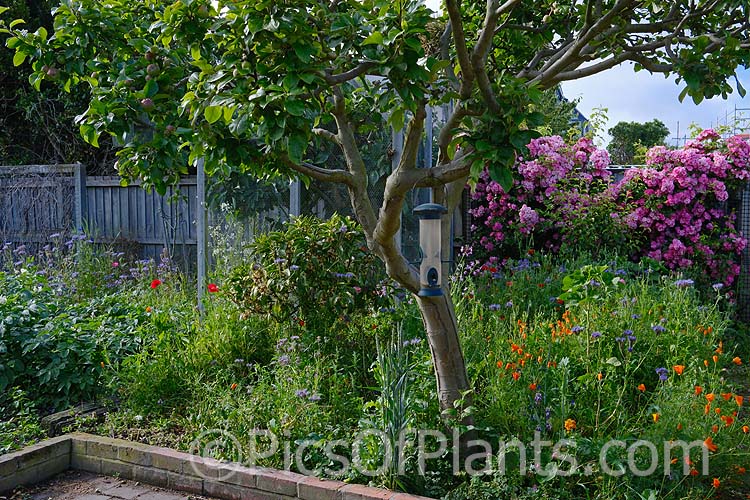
point(201, 237)
point(81, 198)
point(295, 198)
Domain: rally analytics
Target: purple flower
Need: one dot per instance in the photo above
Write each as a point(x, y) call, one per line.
point(658, 329)
point(302, 393)
point(663, 373)
point(596, 335)
point(494, 307)
point(284, 360)
point(576, 329)
point(314, 397)
point(683, 283)
point(293, 267)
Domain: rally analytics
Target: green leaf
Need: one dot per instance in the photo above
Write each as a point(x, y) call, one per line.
point(212, 113)
point(12, 42)
point(375, 38)
point(89, 134)
point(195, 52)
point(151, 88)
point(228, 112)
point(19, 58)
point(502, 175)
point(296, 108)
point(3, 9)
point(297, 145)
point(16, 22)
point(304, 51)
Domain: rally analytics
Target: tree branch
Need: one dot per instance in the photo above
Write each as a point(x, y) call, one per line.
point(327, 134)
point(319, 173)
point(459, 39)
point(353, 73)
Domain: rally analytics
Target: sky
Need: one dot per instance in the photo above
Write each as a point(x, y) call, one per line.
point(641, 97)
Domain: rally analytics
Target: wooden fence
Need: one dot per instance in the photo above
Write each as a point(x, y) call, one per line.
point(40, 200)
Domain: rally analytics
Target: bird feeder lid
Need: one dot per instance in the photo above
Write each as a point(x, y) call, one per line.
point(430, 211)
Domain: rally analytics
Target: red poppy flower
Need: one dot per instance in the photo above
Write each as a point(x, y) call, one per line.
point(155, 284)
point(212, 288)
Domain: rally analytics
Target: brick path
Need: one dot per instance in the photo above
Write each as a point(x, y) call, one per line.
point(78, 485)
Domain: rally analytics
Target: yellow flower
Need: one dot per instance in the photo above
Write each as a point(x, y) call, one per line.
point(655, 416)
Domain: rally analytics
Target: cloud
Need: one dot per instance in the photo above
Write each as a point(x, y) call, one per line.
point(641, 97)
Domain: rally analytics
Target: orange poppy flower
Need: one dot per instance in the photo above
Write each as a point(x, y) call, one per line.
point(716, 482)
point(679, 427)
point(516, 375)
point(570, 424)
point(707, 409)
point(642, 388)
point(679, 369)
point(693, 472)
point(710, 445)
point(698, 390)
point(500, 364)
point(705, 362)
point(739, 400)
point(714, 428)
point(741, 470)
point(710, 397)
point(728, 420)
point(532, 386)
point(233, 386)
point(715, 358)
point(599, 376)
point(655, 416)
point(726, 395)
point(737, 360)
point(746, 428)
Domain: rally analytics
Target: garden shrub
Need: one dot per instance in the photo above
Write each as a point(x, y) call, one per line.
point(673, 211)
point(60, 350)
point(312, 272)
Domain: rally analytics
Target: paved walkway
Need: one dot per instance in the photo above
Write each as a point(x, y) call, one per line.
point(78, 485)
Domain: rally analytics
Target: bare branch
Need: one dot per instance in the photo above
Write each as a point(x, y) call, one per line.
point(353, 73)
point(413, 139)
point(444, 174)
point(327, 134)
point(319, 173)
point(506, 7)
point(481, 49)
point(459, 39)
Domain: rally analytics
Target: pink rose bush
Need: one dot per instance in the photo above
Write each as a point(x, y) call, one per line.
point(677, 210)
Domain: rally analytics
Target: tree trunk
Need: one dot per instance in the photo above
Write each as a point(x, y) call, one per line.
point(450, 368)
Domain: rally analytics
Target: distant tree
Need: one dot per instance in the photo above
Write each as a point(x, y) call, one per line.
point(628, 136)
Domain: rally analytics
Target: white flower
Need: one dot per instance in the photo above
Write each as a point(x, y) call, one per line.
point(3, 299)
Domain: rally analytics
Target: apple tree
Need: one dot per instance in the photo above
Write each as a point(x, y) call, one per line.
point(250, 85)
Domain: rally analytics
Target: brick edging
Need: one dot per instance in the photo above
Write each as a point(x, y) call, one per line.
point(175, 470)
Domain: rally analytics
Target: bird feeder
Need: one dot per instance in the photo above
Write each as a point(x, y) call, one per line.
point(430, 269)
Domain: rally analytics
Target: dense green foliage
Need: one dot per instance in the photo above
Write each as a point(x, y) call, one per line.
point(630, 140)
point(312, 271)
point(39, 127)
